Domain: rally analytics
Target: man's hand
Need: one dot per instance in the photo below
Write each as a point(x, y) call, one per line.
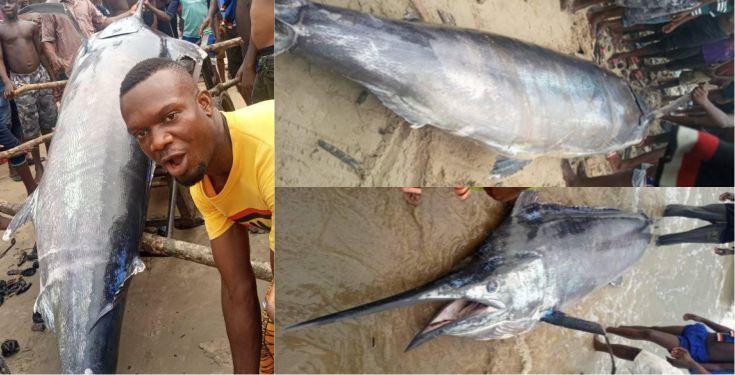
point(680, 357)
point(204, 26)
point(147, 4)
point(8, 92)
point(699, 95)
point(727, 197)
point(692, 317)
point(56, 64)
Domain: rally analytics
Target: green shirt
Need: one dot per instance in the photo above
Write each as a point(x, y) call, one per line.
point(193, 12)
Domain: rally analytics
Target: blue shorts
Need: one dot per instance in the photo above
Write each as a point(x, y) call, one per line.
point(192, 39)
point(7, 139)
point(694, 339)
point(211, 41)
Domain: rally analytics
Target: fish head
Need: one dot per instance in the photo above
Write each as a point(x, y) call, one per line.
point(501, 300)
point(288, 15)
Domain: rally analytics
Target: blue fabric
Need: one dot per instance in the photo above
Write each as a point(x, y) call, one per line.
point(7, 139)
point(694, 339)
point(191, 39)
point(228, 8)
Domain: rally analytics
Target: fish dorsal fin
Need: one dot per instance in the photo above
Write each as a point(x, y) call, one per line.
point(26, 212)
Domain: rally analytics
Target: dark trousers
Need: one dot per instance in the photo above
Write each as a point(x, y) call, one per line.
point(714, 213)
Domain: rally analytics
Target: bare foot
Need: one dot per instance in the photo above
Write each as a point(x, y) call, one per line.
point(412, 195)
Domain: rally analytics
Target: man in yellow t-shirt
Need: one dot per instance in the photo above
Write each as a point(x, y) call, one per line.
point(227, 160)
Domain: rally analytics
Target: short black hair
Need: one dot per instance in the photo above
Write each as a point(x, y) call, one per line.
point(146, 68)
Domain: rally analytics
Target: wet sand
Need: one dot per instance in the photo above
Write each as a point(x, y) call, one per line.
point(173, 319)
point(322, 105)
point(352, 246)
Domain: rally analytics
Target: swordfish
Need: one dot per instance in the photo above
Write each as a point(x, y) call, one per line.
point(539, 261)
point(519, 99)
point(89, 209)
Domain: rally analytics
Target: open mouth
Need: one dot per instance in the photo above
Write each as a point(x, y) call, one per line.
point(175, 164)
point(456, 311)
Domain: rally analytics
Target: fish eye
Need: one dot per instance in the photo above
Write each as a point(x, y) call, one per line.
point(491, 286)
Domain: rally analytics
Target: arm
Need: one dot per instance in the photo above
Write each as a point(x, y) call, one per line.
point(699, 95)
point(209, 17)
point(714, 326)
point(681, 358)
point(103, 21)
point(240, 307)
point(48, 42)
point(248, 71)
point(9, 86)
point(41, 54)
point(718, 366)
point(173, 9)
point(163, 16)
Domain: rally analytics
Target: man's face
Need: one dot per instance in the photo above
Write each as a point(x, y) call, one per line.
point(9, 8)
point(172, 121)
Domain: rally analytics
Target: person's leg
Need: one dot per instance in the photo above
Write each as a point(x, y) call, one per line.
point(263, 86)
point(716, 212)
point(234, 55)
point(706, 234)
point(674, 330)
point(47, 110)
point(17, 164)
point(24, 171)
point(663, 339)
point(28, 113)
point(621, 351)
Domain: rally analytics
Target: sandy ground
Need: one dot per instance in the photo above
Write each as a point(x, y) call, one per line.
point(321, 105)
point(173, 321)
point(366, 244)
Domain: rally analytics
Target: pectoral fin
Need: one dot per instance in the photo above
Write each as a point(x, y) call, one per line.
point(505, 167)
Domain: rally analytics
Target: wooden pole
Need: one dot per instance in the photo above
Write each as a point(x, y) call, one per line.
point(25, 147)
point(224, 45)
point(221, 87)
point(39, 86)
point(157, 245)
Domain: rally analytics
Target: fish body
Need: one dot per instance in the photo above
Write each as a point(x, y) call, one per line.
point(540, 260)
point(89, 209)
point(521, 100)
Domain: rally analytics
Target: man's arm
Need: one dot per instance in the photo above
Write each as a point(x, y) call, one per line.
point(718, 366)
point(172, 9)
point(48, 42)
point(240, 306)
point(9, 87)
point(699, 95)
point(714, 326)
point(41, 54)
point(103, 21)
point(163, 16)
point(208, 19)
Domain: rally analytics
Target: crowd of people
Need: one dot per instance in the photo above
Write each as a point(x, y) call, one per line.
point(38, 47)
point(669, 48)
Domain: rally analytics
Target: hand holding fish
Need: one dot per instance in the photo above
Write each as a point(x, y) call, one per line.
point(699, 95)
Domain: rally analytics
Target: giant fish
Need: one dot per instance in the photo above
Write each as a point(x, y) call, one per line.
point(521, 100)
point(541, 260)
point(89, 209)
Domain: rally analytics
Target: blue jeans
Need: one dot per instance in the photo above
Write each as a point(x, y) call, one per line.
point(7, 139)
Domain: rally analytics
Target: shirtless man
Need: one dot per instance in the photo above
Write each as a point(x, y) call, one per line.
point(20, 47)
point(255, 19)
point(713, 350)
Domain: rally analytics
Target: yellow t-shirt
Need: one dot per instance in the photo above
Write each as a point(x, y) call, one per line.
point(248, 195)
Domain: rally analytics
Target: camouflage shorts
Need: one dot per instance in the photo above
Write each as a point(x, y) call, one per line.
point(36, 109)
